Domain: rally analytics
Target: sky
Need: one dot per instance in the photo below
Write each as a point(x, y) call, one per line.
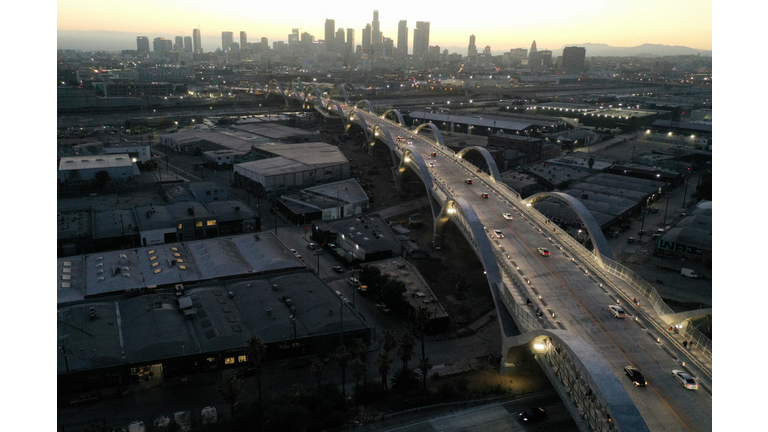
point(501, 24)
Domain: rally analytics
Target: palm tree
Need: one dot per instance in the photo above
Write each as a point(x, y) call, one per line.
point(383, 361)
point(358, 371)
point(423, 315)
point(256, 350)
point(230, 389)
point(389, 340)
point(317, 367)
point(405, 348)
point(362, 354)
point(342, 359)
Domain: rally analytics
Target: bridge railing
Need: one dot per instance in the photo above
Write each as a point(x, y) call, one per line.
point(698, 340)
point(639, 284)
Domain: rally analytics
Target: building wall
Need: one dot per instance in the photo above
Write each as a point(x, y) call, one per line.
point(141, 153)
point(88, 174)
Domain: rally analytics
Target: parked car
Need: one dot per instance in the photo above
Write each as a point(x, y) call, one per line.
point(338, 269)
point(631, 240)
point(354, 282)
point(312, 246)
point(685, 379)
point(635, 376)
point(617, 311)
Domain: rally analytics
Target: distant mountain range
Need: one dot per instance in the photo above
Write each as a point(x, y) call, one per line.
point(644, 50)
point(103, 40)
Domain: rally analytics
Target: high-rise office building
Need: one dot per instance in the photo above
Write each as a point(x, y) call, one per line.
point(243, 40)
point(197, 42)
point(375, 29)
point(402, 39)
point(546, 58)
point(264, 44)
point(339, 42)
point(162, 45)
point(293, 40)
point(534, 58)
point(367, 38)
point(472, 50)
point(178, 44)
point(421, 40)
point(227, 38)
point(188, 43)
point(350, 44)
point(574, 59)
point(142, 44)
point(330, 32)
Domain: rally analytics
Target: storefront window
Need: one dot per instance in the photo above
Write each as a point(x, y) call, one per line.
point(229, 360)
point(242, 358)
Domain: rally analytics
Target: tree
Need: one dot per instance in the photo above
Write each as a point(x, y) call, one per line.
point(390, 341)
point(342, 359)
point(358, 371)
point(230, 388)
point(423, 316)
point(383, 361)
point(317, 367)
point(405, 348)
point(256, 350)
point(362, 355)
point(102, 178)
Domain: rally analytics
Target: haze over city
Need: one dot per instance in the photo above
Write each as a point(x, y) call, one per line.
point(502, 26)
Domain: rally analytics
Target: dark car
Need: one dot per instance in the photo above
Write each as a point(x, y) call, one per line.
point(485, 195)
point(338, 269)
point(635, 376)
point(533, 414)
point(469, 181)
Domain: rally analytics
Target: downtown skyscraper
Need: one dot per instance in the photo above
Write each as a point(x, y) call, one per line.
point(227, 38)
point(402, 39)
point(330, 35)
point(421, 40)
point(197, 42)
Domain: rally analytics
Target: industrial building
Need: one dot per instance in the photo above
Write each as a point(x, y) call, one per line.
point(326, 202)
point(196, 328)
point(691, 237)
point(84, 168)
point(288, 167)
point(363, 238)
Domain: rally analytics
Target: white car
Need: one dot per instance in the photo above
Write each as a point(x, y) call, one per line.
point(498, 233)
point(507, 216)
point(617, 311)
point(685, 379)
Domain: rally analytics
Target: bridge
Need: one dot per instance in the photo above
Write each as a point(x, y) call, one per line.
point(554, 307)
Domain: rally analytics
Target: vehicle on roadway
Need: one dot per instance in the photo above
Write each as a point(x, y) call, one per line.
point(635, 376)
point(685, 379)
point(354, 282)
point(498, 233)
point(485, 195)
point(543, 251)
point(434, 155)
point(312, 246)
point(507, 216)
point(533, 414)
point(617, 311)
point(469, 181)
point(338, 269)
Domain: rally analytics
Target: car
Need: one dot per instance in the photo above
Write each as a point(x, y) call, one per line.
point(434, 155)
point(293, 251)
point(338, 269)
point(312, 246)
point(635, 376)
point(382, 307)
point(431, 164)
point(631, 240)
point(498, 233)
point(543, 251)
point(469, 181)
point(685, 379)
point(617, 311)
point(533, 414)
point(354, 282)
point(485, 195)
point(507, 216)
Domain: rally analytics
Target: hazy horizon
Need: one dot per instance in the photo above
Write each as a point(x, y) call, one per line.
point(551, 23)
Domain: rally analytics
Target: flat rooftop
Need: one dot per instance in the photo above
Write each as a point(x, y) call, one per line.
point(114, 272)
point(95, 162)
point(418, 293)
point(208, 318)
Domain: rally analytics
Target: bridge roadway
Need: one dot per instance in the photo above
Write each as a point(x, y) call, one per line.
point(578, 300)
point(568, 283)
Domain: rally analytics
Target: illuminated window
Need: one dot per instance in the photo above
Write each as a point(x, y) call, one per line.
point(182, 267)
point(242, 358)
point(179, 260)
point(180, 226)
point(229, 360)
point(174, 249)
point(155, 264)
point(211, 223)
point(153, 257)
point(176, 254)
point(150, 252)
point(199, 224)
point(211, 360)
point(157, 270)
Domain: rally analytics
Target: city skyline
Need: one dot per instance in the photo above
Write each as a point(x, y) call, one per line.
point(553, 24)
